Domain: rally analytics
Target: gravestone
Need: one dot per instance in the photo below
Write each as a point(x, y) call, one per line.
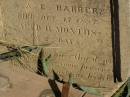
point(84, 43)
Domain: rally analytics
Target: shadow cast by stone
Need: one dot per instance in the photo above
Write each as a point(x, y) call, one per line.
point(116, 40)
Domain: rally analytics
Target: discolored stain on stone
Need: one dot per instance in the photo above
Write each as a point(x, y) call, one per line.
point(47, 93)
point(4, 83)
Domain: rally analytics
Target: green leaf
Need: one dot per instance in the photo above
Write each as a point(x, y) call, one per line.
point(92, 91)
point(120, 90)
point(45, 67)
point(45, 64)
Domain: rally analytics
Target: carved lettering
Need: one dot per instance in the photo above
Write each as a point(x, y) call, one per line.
point(77, 31)
point(42, 6)
point(67, 19)
point(48, 18)
point(78, 9)
point(83, 27)
point(65, 41)
point(25, 15)
point(48, 28)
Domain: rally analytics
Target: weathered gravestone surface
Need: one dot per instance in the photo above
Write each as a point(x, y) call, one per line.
point(81, 37)
point(4, 83)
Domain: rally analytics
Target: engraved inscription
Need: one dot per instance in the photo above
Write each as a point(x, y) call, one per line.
point(79, 33)
point(78, 9)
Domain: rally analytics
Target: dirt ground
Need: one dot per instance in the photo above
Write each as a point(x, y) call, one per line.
point(16, 82)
